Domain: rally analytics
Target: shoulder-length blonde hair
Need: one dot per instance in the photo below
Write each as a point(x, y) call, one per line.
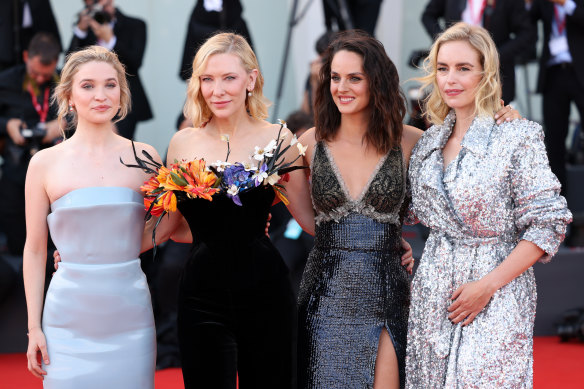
point(196, 109)
point(488, 91)
point(74, 60)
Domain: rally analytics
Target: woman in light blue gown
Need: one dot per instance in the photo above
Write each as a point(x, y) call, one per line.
point(97, 328)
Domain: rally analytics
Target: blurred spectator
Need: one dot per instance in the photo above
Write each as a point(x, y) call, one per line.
point(101, 23)
point(209, 17)
point(361, 14)
point(27, 123)
point(561, 73)
point(507, 20)
point(298, 122)
point(20, 20)
point(7, 279)
point(312, 80)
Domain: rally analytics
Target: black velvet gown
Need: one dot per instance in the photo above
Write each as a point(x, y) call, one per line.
point(236, 309)
point(354, 285)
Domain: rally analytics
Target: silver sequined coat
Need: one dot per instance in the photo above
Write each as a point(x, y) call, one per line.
point(497, 191)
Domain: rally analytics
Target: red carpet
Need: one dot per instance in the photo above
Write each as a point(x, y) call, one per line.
point(556, 365)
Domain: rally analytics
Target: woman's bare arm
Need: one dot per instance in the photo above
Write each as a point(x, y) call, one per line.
point(34, 260)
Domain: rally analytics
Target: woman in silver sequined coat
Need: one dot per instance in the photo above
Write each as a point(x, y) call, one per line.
point(493, 207)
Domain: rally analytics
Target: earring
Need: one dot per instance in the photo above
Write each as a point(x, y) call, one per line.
point(70, 107)
point(249, 93)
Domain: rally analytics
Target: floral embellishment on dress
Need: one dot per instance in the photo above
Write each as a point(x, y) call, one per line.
point(195, 179)
point(238, 177)
point(167, 186)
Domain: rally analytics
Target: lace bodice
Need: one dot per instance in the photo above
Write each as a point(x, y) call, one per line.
point(381, 198)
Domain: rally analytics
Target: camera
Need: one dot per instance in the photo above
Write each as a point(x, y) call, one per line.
point(96, 12)
point(20, 155)
point(34, 137)
point(34, 134)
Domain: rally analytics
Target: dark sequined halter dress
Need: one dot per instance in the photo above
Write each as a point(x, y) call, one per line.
point(353, 284)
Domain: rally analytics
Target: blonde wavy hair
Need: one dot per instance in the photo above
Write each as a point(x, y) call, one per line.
point(488, 91)
point(196, 109)
point(73, 61)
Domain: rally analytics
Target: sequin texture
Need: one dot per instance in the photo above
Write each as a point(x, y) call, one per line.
point(498, 190)
point(353, 284)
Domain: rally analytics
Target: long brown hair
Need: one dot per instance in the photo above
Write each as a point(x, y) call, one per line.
point(387, 102)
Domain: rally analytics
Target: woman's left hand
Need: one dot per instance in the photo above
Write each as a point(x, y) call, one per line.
point(469, 301)
point(506, 114)
point(407, 259)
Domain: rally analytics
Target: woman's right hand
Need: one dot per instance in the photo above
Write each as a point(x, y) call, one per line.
point(56, 259)
point(507, 114)
point(37, 347)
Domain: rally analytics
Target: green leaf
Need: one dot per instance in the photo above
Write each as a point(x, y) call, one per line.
point(178, 179)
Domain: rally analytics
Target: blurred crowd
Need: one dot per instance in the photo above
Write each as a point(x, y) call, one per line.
point(31, 45)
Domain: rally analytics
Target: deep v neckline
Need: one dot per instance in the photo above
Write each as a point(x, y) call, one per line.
point(341, 180)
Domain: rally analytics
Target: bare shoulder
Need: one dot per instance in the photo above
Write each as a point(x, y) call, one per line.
point(140, 147)
point(187, 135)
point(51, 155)
point(410, 136)
point(43, 159)
point(43, 162)
point(275, 128)
point(308, 138)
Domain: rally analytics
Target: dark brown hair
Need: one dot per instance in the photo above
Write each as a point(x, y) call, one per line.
point(45, 46)
point(387, 102)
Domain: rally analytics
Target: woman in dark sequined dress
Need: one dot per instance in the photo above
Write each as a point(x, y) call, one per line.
point(354, 295)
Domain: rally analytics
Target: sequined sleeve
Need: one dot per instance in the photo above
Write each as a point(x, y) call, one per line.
point(540, 212)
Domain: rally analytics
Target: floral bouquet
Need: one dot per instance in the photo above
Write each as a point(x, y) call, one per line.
point(167, 185)
point(194, 179)
point(270, 170)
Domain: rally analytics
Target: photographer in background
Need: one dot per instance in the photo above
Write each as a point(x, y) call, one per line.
point(101, 23)
point(208, 18)
point(27, 123)
point(20, 20)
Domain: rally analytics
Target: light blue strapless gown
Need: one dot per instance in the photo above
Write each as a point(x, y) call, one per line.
point(98, 314)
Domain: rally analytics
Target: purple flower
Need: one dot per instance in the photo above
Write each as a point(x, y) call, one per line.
point(261, 174)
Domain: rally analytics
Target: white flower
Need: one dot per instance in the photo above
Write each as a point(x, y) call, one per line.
point(260, 153)
point(271, 146)
point(225, 137)
point(273, 179)
point(233, 190)
point(249, 167)
point(260, 176)
point(221, 165)
point(294, 140)
point(301, 149)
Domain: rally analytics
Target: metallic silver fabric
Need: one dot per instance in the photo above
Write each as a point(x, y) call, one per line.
point(98, 316)
point(497, 191)
point(353, 284)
